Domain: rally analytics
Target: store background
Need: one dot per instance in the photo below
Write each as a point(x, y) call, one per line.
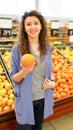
point(51, 9)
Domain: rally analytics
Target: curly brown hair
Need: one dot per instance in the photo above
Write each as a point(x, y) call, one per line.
point(23, 37)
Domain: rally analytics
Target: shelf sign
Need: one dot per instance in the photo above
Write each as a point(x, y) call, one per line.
point(5, 27)
point(54, 28)
point(70, 28)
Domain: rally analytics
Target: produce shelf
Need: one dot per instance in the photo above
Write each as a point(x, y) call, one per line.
point(5, 65)
point(7, 121)
point(61, 108)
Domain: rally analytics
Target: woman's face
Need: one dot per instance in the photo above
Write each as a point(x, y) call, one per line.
point(32, 26)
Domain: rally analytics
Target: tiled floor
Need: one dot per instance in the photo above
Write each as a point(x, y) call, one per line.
point(62, 123)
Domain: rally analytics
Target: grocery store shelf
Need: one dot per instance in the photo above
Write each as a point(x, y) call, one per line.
point(7, 120)
point(8, 40)
point(61, 107)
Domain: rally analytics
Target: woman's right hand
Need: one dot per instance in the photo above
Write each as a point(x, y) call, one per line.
point(22, 73)
point(27, 70)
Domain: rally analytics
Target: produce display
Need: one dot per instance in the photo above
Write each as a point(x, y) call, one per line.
point(63, 73)
point(1, 68)
point(61, 68)
point(6, 94)
point(67, 52)
point(6, 91)
point(60, 35)
point(6, 58)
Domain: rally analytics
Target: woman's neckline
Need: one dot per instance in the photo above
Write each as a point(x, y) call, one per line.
point(34, 51)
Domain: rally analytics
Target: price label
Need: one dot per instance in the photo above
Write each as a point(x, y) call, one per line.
point(5, 27)
point(5, 32)
point(54, 32)
point(70, 32)
point(70, 26)
point(54, 28)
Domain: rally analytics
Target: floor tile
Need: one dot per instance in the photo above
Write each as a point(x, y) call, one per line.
point(64, 122)
point(48, 126)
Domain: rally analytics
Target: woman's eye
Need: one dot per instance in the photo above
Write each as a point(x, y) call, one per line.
point(28, 24)
point(36, 23)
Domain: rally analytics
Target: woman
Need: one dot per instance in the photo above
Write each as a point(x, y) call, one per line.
point(33, 86)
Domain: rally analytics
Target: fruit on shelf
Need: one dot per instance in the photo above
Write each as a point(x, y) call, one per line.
point(63, 75)
point(57, 42)
point(6, 58)
point(6, 94)
point(68, 53)
point(1, 68)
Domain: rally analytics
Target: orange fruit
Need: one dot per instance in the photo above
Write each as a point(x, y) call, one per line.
point(63, 94)
point(10, 91)
point(12, 107)
point(0, 109)
point(6, 108)
point(11, 96)
point(71, 91)
point(58, 95)
point(54, 95)
point(27, 60)
point(4, 101)
point(8, 86)
point(1, 98)
point(10, 102)
point(3, 78)
point(3, 92)
point(0, 103)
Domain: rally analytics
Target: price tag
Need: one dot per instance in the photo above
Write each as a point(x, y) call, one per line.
point(71, 38)
point(54, 28)
point(5, 32)
point(54, 32)
point(5, 27)
point(70, 30)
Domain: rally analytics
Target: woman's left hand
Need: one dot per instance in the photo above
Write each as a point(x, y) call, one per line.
point(48, 83)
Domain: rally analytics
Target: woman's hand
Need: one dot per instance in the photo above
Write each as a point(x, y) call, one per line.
point(48, 83)
point(27, 70)
point(22, 73)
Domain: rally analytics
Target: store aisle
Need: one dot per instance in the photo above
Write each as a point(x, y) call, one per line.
point(62, 123)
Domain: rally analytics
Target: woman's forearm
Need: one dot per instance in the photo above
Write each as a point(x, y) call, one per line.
point(18, 76)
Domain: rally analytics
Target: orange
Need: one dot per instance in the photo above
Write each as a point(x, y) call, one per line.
point(11, 96)
point(6, 108)
point(27, 60)
point(63, 94)
point(3, 77)
point(0, 109)
point(10, 102)
point(54, 95)
point(1, 98)
point(12, 107)
point(10, 91)
point(4, 101)
point(58, 95)
point(3, 92)
point(0, 103)
point(8, 86)
point(1, 87)
point(71, 91)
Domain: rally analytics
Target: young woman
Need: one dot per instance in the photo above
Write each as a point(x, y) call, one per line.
point(33, 86)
